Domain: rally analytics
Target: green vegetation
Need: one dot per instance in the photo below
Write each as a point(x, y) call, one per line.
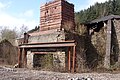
point(35, 29)
point(98, 10)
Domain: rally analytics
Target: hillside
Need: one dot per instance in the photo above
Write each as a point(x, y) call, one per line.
point(98, 10)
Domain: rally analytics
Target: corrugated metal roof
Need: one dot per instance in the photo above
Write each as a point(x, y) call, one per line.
point(109, 17)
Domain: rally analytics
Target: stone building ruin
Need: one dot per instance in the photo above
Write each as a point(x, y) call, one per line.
point(54, 45)
point(104, 35)
point(51, 45)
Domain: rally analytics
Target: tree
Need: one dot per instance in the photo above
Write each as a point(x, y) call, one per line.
point(23, 29)
point(98, 10)
point(34, 30)
point(8, 34)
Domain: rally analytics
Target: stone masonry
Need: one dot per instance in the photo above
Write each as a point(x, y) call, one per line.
point(55, 36)
point(58, 56)
point(53, 19)
point(30, 59)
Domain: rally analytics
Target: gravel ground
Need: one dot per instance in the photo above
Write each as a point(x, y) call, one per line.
point(26, 74)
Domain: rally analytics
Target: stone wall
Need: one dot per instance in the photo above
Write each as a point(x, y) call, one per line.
point(30, 59)
point(59, 59)
point(115, 51)
point(98, 39)
point(43, 61)
point(96, 46)
point(58, 56)
point(46, 61)
point(52, 37)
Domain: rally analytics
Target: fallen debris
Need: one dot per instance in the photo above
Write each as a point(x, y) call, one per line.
point(27, 74)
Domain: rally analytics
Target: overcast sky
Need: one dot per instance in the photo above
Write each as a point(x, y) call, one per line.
point(15, 13)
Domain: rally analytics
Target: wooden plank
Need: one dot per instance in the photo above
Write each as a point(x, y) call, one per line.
point(24, 57)
point(61, 42)
point(108, 46)
point(19, 57)
point(69, 59)
point(74, 53)
point(41, 53)
point(48, 45)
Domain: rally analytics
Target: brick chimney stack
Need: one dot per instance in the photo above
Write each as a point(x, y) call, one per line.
point(55, 14)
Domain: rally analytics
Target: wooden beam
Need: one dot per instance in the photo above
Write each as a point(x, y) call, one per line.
point(74, 53)
point(48, 45)
point(108, 46)
point(37, 43)
point(19, 57)
point(69, 59)
point(24, 57)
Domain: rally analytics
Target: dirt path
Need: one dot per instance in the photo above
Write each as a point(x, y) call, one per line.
point(25, 74)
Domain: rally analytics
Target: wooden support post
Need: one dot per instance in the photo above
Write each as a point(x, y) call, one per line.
point(69, 59)
point(23, 51)
point(19, 57)
point(108, 46)
point(24, 58)
point(74, 53)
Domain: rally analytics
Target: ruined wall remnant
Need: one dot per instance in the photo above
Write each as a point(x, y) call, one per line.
point(115, 52)
point(8, 53)
point(41, 60)
point(104, 35)
point(96, 45)
point(59, 59)
point(58, 55)
point(51, 37)
point(55, 18)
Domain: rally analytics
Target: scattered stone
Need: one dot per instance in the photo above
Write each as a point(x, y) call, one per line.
point(16, 65)
point(27, 74)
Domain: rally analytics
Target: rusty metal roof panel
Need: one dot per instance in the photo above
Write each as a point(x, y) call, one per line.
point(70, 41)
point(48, 44)
point(109, 17)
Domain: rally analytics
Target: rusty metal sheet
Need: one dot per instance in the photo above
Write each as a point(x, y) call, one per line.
point(47, 45)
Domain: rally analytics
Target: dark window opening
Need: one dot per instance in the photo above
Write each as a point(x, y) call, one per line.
point(55, 7)
point(43, 60)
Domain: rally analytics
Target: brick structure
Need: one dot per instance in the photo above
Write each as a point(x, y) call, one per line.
point(55, 14)
point(55, 17)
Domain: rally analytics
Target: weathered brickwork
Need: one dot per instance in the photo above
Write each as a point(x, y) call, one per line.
point(55, 17)
point(55, 14)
